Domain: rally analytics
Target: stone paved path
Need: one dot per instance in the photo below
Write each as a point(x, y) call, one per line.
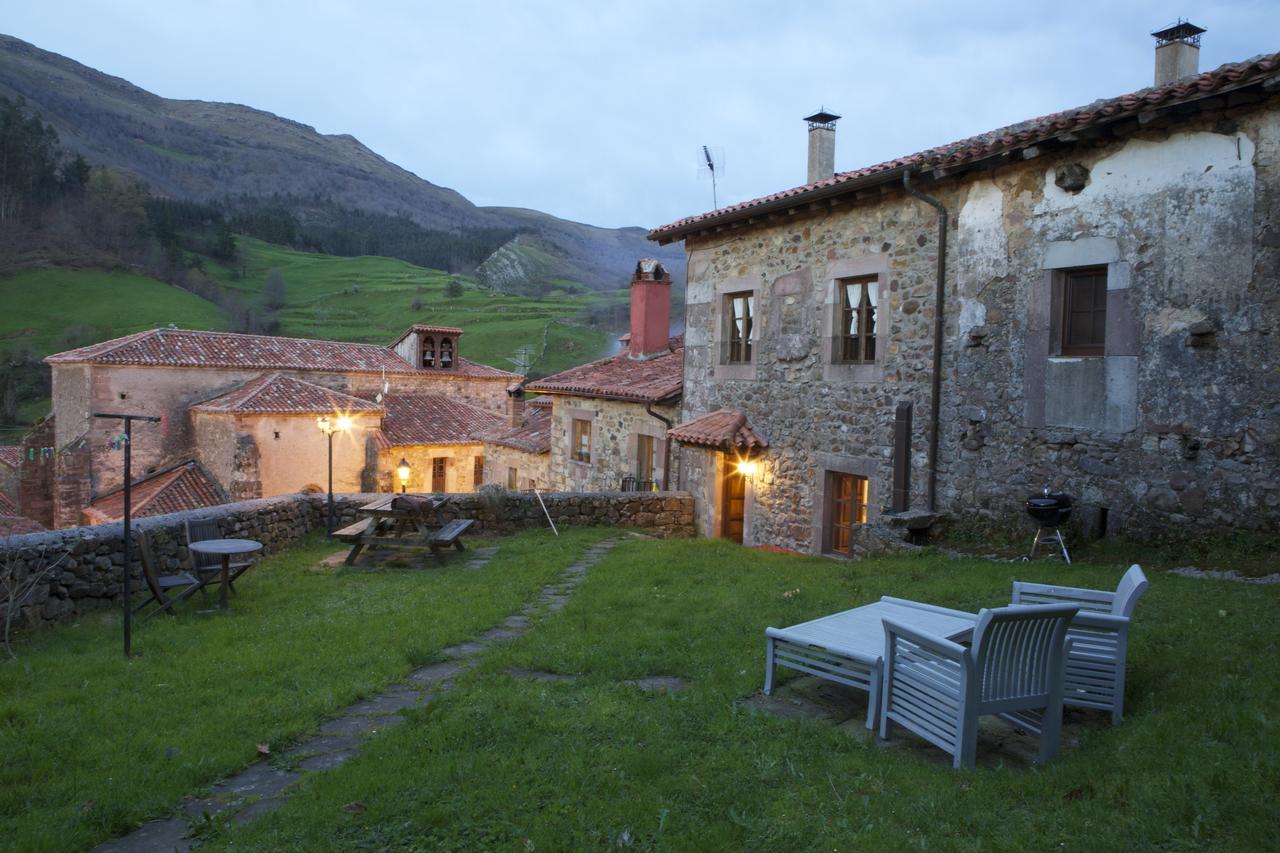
point(264, 786)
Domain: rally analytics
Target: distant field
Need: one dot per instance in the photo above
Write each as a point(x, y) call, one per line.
point(368, 299)
point(371, 299)
point(50, 310)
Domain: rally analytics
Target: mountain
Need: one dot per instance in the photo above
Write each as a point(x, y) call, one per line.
point(201, 151)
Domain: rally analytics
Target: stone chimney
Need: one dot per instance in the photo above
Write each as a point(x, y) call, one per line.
point(650, 310)
point(515, 406)
point(1177, 52)
point(822, 145)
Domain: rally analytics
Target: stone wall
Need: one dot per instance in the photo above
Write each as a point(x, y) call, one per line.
point(614, 427)
point(1172, 430)
point(90, 576)
point(532, 469)
point(459, 466)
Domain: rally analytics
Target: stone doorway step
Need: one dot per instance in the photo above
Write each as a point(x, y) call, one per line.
point(263, 787)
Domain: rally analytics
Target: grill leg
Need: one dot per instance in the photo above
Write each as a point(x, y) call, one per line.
point(1034, 542)
point(1063, 545)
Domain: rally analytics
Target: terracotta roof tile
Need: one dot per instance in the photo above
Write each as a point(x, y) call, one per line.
point(434, 419)
point(182, 487)
point(999, 141)
point(7, 505)
point(11, 455)
point(277, 394)
point(532, 436)
point(188, 348)
point(723, 428)
point(16, 525)
point(619, 378)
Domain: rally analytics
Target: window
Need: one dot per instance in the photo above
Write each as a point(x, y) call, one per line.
point(477, 472)
point(512, 475)
point(428, 351)
point(646, 458)
point(846, 507)
point(1084, 311)
point(446, 353)
point(437, 475)
point(580, 445)
point(739, 312)
point(856, 316)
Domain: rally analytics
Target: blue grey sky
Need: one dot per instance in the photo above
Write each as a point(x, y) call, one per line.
point(595, 111)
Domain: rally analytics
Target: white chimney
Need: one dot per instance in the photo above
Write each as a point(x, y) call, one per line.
point(1177, 52)
point(822, 145)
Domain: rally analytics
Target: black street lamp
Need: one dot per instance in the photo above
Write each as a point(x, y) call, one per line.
point(329, 426)
point(402, 471)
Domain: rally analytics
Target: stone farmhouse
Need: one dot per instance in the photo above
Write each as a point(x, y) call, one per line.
point(518, 454)
point(609, 418)
point(239, 420)
point(1086, 301)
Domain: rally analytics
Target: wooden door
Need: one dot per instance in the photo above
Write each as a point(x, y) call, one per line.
point(734, 506)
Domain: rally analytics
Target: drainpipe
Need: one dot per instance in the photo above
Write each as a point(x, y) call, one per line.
point(666, 446)
point(935, 394)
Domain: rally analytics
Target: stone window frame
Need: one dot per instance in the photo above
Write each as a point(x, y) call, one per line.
point(659, 435)
point(833, 368)
point(577, 465)
point(1043, 342)
point(722, 369)
point(831, 463)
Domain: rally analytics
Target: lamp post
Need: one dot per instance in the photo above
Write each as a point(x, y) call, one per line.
point(329, 425)
point(402, 471)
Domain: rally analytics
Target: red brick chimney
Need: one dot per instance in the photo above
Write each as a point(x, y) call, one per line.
point(650, 310)
point(515, 406)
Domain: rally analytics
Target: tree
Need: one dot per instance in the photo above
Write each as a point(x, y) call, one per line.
point(453, 289)
point(275, 290)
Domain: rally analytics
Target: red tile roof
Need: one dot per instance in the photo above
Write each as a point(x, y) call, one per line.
point(434, 419)
point(273, 393)
point(11, 455)
point(182, 487)
point(7, 505)
point(724, 428)
point(16, 525)
point(188, 348)
point(1003, 140)
point(619, 378)
point(532, 436)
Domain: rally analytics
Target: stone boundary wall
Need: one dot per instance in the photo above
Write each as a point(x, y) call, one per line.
point(90, 577)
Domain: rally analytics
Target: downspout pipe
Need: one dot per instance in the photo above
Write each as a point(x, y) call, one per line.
point(666, 445)
point(939, 298)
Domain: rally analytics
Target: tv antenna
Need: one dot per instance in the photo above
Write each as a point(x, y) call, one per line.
point(711, 162)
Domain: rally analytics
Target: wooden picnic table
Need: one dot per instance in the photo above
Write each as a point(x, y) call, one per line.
point(408, 528)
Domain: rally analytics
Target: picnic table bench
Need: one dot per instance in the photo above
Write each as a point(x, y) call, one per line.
point(396, 522)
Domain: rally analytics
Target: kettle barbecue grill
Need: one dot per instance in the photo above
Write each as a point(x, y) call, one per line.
point(1050, 512)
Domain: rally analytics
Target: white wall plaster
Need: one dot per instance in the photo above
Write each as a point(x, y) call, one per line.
point(982, 250)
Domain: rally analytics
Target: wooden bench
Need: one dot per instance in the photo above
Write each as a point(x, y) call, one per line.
point(352, 532)
point(450, 535)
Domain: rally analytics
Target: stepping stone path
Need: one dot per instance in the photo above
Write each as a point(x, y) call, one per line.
point(263, 787)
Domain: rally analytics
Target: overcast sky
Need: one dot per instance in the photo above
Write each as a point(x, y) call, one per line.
point(595, 111)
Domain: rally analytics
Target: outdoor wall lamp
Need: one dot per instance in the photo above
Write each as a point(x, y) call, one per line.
point(402, 471)
point(748, 467)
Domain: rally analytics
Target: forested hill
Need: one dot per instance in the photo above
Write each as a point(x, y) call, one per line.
point(197, 150)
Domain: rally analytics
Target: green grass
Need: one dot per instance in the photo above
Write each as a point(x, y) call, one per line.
point(93, 744)
point(370, 299)
point(506, 764)
point(38, 308)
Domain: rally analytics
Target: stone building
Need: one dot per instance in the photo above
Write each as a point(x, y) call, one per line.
point(518, 454)
point(246, 408)
point(1087, 301)
point(609, 418)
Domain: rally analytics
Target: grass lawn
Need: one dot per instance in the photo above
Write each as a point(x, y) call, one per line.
point(502, 763)
point(92, 744)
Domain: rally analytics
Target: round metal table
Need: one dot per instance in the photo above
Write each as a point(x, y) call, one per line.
point(226, 549)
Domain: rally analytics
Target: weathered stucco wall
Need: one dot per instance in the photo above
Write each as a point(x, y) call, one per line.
point(614, 426)
point(533, 470)
point(1173, 429)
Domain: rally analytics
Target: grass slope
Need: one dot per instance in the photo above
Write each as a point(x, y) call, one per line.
point(38, 308)
point(93, 744)
point(371, 298)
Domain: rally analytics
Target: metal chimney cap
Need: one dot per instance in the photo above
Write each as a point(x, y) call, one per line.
point(1183, 31)
point(822, 118)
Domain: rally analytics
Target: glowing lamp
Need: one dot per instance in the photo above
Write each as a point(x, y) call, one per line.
point(402, 471)
point(748, 468)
